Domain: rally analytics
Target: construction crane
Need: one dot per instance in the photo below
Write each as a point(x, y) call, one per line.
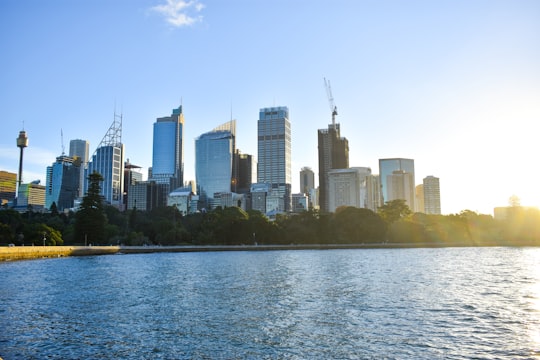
point(333, 107)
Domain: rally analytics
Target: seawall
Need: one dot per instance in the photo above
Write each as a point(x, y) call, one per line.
point(38, 252)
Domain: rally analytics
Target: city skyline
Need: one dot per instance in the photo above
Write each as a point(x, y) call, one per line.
point(452, 85)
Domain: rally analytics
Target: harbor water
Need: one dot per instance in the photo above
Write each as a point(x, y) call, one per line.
point(445, 303)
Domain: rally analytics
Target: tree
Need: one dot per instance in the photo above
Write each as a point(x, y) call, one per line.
point(394, 210)
point(90, 219)
point(355, 225)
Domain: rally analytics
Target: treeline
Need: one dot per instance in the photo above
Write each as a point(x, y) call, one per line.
point(394, 223)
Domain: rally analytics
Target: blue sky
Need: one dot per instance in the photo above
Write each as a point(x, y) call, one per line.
point(454, 85)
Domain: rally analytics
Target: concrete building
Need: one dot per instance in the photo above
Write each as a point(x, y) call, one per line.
point(259, 193)
point(419, 198)
point(347, 187)
point(274, 153)
point(8, 187)
point(168, 150)
point(333, 154)
point(373, 189)
point(32, 194)
point(147, 195)
point(181, 199)
point(397, 180)
point(432, 195)
point(132, 175)
point(299, 203)
point(244, 172)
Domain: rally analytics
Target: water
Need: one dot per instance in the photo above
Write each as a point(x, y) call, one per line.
point(454, 303)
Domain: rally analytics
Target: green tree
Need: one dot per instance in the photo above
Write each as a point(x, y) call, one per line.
point(90, 219)
point(395, 210)
point(355, 225)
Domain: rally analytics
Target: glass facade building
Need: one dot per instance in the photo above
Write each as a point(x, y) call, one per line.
point(274, 152)
point(214, 152)
point(397, 180)
point(80, 149)
point(168, 149)
point(109, 162)
point(62, 183)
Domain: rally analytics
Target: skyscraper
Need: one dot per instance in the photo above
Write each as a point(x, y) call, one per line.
point(333, 154)
point(168, 150)
point(307, 180)
point(347, 187)
point(397, 180)
point(274, 153)
point(214, 152)
point(62, 183)
point(244, 172)
point(108, 160)
point(80, 149)
point(432, 195)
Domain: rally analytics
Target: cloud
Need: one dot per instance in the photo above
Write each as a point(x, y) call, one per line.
point(180, 13)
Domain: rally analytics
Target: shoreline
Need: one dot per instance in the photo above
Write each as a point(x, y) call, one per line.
point(40, 252)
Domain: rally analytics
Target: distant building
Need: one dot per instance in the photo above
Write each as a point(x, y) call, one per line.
point(347, 187)
point(419, 199)
point(181, 199)
point(274, 154)
point(32, 194)
point(8, 186)
point(432, 195)
point(147, 195)
point(108, 161)
point(214, 153)
point(244, 172)
point(80, 149)
point(299, 203)
point(132, 175)
point(259, 193)
point(373, 190)
point(307, 180)
point(397, 180)
point(168, 150)
point(333, 154)
point(63, 183)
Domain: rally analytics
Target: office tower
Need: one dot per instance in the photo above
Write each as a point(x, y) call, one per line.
point(397, 180)
point(274, 154)
point(307, 180)
point(244, 172)
point(147, 195)
point(108, 160)
point(168, 150)
point(8, 186)
point(419, 198)
point(347, 187)
point(80, 149)
point(432, 195)
point(32, 194)
point(62, 183)
point(214, 162)
point(132, 175)
point(333, 154)
point(299, 202)
point(373, 185)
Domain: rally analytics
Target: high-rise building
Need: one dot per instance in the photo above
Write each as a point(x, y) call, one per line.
point(274, 153)
point(432, 195)
point(108, 160)
point(147, 195)
point(333, 154)
point(132, 175)
point(8, 186)
point(397, 180)
point(244, 172)
point(373, 185)
point(63, 183)
point(307, 180)
point(80, 149)
point(419, 198)
point(32, 194)
point(214, 152)
point(347, 187)
point(168, 150)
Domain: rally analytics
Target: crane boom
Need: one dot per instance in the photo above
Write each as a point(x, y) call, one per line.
point(333, 107)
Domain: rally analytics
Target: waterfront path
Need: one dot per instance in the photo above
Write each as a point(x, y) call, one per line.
point(38, 252)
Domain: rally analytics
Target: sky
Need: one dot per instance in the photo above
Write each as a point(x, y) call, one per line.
point(454, 85)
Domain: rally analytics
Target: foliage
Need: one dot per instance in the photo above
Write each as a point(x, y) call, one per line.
point(91, 219)
point(395, 210)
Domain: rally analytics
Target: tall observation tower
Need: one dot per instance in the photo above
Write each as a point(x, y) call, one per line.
point(22, 142)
